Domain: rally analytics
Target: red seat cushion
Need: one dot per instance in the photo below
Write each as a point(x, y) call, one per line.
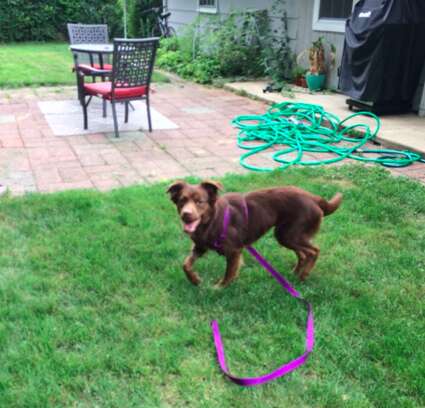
point(103, 89)
point(88, 68)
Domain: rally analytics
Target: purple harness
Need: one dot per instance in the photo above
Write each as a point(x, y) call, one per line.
point(309, 341)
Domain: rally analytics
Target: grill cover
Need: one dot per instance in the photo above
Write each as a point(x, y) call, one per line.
point(384, 51)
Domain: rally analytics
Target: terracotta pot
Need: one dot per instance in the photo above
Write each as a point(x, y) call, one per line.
point(303, 82)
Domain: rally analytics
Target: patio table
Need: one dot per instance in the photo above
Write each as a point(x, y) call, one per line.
point(93, 49)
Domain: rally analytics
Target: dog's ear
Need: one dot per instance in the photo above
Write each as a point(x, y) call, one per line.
point(212, 188)
point(175, 189)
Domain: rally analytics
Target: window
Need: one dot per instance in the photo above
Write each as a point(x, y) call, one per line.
point(207, 6)
point(330, 15)
point(335, 9)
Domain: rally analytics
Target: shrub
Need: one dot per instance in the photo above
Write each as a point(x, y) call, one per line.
point(142, 25)
point(277, 56)
point(200, 69)
point(242, 44)
point(45, 20)
point(235, 43)
point(212, 47)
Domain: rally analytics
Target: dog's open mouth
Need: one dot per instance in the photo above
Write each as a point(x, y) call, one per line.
point(190, 227)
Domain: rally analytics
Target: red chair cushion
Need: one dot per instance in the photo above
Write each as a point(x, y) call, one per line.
point(88, 68)
point(103, 89)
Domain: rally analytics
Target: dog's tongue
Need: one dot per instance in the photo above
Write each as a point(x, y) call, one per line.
point(190, 227)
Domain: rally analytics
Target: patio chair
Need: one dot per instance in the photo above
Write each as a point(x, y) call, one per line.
point(132, 62)
point(88, 34)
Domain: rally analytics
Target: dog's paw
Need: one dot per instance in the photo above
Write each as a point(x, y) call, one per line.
point(241, 261)
point(195, 279)
point(221, 284)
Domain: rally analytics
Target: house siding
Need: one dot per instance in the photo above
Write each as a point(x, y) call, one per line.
point(184, 12)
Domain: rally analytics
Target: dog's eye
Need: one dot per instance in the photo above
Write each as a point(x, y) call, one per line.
point(199, 202)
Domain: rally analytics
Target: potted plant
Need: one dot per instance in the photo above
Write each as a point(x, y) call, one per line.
point(316, 74)
point(298, 76)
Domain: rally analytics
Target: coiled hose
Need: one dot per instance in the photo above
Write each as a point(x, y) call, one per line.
point(307, 128)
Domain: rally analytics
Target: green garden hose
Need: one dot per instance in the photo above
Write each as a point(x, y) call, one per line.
point(306, 128)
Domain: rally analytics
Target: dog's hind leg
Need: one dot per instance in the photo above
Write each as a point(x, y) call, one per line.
point(307, 255)
point(296, 236)
point(188, 264)
point(311, 260)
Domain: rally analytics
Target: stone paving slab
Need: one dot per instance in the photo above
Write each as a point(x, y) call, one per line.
point(65, 118)
point(33, 159)
point(7, 119)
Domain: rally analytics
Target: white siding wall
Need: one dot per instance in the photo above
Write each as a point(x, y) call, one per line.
point(185, 11)
point(182, 12)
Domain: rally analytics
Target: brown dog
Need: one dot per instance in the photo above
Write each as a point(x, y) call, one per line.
point(296, 215)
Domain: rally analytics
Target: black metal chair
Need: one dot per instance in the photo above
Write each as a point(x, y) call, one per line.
point(88, 34)
point(132, 62)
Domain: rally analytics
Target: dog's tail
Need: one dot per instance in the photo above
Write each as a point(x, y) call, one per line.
point(328, 207)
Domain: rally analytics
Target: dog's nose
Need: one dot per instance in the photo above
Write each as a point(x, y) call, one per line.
point(187, 216)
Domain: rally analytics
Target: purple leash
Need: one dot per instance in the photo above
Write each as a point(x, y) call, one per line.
point(309, 340)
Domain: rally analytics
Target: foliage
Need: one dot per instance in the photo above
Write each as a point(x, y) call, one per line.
point(178, 54)
point(212, 47)
point(242, 44)
point(35, 64)
point(298, 71)
point(142, 24)
point(45, 20)
point(174, 56)
point(279, 59)
point(236, 43)
point(316, 53)
point(95, 310)
point(316, 57)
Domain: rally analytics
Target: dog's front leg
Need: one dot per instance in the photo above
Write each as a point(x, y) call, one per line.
point(234, 261)
point(188, 264)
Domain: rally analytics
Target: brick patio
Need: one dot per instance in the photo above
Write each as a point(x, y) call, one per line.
point(33, 159)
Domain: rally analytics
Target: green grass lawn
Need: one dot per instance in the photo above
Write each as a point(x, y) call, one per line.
point(36, 64)
point(96, 311)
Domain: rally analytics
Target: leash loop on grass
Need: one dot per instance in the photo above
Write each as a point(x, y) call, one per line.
point(299, 128)
point(309, 341)
point(286, 368)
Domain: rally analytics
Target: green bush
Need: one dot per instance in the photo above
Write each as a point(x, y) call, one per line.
point(239, 45)
point(212, 47)
point(236, 43)
point(142, 25)
point(45, 20)
point(200, 69)
point(278, 58)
